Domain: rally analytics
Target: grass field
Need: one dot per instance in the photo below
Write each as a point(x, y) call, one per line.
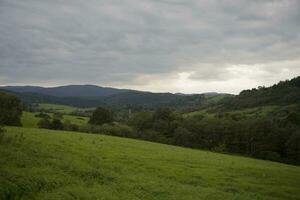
point(61, 108)
point(29, 120)
point(44, 164)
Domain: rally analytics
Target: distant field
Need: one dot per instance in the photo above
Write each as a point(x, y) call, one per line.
point(61, 108)
point(29, 120)
point(44, 164)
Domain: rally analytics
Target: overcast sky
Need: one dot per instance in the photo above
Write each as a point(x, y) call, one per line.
point(157, 45)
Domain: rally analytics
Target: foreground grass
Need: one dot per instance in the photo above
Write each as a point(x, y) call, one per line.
point(44, 164)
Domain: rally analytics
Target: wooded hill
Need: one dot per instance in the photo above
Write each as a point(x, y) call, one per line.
point(281, 94)
point(109, 97)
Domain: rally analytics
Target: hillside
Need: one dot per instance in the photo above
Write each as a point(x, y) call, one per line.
point(120, 100)
point(43, 164)
point(283, 93)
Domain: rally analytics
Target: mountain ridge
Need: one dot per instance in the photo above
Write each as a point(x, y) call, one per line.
point(85, 90)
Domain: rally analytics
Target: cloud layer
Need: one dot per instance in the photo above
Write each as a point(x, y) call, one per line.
point(166, 45)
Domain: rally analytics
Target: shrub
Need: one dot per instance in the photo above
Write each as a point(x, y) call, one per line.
point(269, 155)
point(57, 124)
point(10, 109)
point(43, 115)
point(293, 147)
point(58, 116)
point(2, 130)
point(101, 116)
point(44, 123)
point(221, 148)
point(117, 130)
point(68, 126)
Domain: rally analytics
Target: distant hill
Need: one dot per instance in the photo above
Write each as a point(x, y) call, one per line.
point(92, 96)
point(68, 91)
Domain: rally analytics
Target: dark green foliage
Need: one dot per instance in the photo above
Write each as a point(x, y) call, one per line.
point(2, 131)
point(269, 155)
point(263, 137)
point(117, 130)
point(43, 115)
point(101, 116)
point(57, 124)
point(142, 120)
point(44, 123)
point(58, 116)
point(183, 137)
point(293, 118)
point(10, 110)
point(283, 93)
point(68, 126)
point(293, 146)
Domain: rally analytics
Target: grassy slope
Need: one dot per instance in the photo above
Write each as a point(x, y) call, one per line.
point(61, 108)
point(29, 120)
point(44, 164)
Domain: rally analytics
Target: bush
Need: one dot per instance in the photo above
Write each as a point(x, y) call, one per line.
point(58, 116)
point(57, 124)
point(183, 137)
point(68, 126)
point(43, 115)
point(293, 147)
point(221, 148)
point(117, 130)
point(10, 109)
point(101, 116)
point(44, 123)
point(2, 131)
point(269, 155)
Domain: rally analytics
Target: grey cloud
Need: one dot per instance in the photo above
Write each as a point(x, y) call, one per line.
point(105, 42)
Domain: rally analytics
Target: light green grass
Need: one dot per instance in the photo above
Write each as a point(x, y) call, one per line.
point(78, 120)
point(44, 164)
point(29, 120)
point(61, 108)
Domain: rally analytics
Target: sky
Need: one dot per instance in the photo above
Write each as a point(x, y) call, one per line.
point(188, 46)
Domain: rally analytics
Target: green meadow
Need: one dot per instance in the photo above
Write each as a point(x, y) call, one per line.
point(29, 119)
point(61, 108)
point(46, 164)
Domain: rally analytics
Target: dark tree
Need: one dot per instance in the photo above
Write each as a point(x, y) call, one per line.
point(142, 120)
point(44, 123)
point(58, 116)
point(10, 110)
point(101, 116)
point(2, 130)
point(293, 147)
point(43, 115)
point(57, 124)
